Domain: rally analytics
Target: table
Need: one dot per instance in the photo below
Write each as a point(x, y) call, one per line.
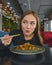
point(9, 58)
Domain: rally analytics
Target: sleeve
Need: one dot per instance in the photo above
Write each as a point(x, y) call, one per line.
point(16, 31)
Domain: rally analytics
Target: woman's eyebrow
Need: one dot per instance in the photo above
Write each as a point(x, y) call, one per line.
point(24, 20)
point(27, 20)
point(32, 21)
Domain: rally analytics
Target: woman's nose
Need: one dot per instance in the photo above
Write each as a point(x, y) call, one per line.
point(28, 26)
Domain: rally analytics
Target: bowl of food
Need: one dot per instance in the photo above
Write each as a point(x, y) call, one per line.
point(27, 49)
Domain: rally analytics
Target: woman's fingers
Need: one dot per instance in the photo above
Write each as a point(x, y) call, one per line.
point(6, 40)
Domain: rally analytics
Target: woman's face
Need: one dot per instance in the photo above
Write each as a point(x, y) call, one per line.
point(28, 24)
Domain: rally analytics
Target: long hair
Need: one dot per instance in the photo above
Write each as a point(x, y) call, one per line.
point(37, 30)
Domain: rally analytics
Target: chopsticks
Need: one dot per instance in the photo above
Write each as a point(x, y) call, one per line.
point(12, 36)
point(15, 35)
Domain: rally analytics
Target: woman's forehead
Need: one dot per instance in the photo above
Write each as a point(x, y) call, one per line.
point(29, 17)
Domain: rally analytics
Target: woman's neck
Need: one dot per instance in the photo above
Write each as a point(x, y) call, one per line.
point(28, 37)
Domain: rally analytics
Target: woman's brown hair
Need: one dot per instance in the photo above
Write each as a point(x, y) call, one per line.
point(37, 30)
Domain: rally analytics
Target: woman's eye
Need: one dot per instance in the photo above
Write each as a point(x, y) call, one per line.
point(25, 22)
point(32, 23)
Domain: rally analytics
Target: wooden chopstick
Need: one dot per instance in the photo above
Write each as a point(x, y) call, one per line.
point(15, 35)
point(12, 36)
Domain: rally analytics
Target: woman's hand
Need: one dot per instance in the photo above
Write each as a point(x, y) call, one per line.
point(6, 40)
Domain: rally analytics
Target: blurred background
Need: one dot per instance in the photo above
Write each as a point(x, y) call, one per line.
point(11, 11)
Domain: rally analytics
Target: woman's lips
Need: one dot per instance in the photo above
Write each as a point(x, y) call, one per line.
point(27, 31)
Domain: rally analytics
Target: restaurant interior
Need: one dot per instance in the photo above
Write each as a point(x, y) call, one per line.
point(10, 14)
point(11, 11)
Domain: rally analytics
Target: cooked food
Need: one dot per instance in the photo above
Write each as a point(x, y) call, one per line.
point(26, 46)
point(27, 49)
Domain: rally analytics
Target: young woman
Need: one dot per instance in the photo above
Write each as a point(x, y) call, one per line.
point(29, 31)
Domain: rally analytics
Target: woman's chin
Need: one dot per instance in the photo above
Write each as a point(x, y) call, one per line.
point(27, 34)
